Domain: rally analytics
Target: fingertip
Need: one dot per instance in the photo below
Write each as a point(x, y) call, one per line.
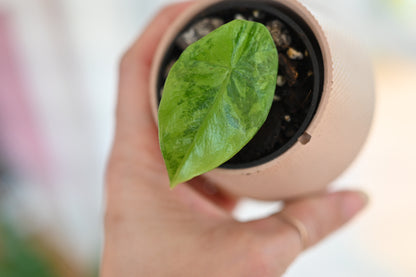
point(352, 202)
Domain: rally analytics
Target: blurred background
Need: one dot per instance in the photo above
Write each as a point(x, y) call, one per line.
point(58, 75)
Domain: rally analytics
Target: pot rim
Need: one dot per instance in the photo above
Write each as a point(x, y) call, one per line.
point(321, 38)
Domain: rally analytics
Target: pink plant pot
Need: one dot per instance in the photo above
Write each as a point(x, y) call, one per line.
point(332, 138)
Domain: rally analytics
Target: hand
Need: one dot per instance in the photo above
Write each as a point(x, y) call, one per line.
point(151, 230)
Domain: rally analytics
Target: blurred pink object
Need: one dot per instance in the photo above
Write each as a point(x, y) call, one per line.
point(19, 137)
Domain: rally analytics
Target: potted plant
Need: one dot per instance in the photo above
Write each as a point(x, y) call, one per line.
point(322, 102)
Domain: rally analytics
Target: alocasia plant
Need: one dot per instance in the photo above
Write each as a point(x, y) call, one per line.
point(216, 97)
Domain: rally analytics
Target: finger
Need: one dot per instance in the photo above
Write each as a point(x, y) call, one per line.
point(211, 192)
point(324, 214)
point(133, 108)
point(318, 215)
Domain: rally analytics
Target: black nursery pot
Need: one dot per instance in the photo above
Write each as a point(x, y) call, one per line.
point(300, 78)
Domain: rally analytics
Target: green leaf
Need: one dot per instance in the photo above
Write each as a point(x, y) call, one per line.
point(216, 97)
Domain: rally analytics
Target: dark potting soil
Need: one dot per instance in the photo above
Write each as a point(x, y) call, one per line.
point(299, 81)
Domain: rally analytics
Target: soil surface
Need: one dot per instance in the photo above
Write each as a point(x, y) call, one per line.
point(299, 81)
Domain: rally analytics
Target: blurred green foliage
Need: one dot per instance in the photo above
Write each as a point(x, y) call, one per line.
point(18, 258)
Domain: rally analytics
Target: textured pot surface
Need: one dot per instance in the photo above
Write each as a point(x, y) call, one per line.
point(337, 131)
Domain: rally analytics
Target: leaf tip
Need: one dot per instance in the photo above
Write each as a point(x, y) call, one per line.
point(173, 182)
point(172, 185)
